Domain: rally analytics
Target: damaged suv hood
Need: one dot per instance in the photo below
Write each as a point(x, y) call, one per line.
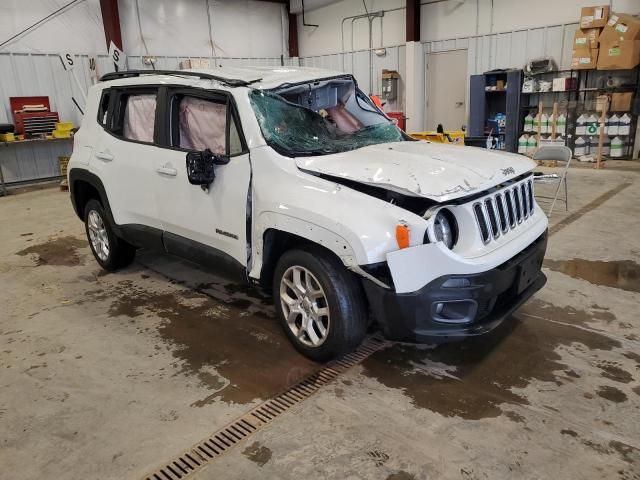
point(436, 171)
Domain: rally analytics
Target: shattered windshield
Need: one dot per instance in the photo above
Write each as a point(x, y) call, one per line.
point(331, 118)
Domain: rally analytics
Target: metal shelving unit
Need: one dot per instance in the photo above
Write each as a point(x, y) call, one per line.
point(594, 83)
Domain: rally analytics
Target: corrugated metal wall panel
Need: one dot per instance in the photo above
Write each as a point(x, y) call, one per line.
point(23, 74)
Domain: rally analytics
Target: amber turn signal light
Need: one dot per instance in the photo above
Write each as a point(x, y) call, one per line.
point(402, 235)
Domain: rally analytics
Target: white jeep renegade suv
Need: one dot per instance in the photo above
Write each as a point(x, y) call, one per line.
point(294, 178)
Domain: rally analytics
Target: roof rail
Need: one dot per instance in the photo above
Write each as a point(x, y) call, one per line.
point(231, 82)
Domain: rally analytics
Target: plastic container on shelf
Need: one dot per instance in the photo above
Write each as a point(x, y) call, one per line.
point(617, 147)
point(561, 124)
point(606, 146)
point(532, 145)
point(624, 127)
point(536, 122)
point(613, 125)
point(522, 144)
point(544, 123)
point(528, 123)
point(581, 125)
point(593, 125)
point(580, 147)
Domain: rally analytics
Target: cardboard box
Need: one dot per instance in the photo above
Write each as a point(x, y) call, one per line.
point(593, 17)
point(619, 55)
point(621, 102)
point(600, 101)
point(584, 58)
point(587, 37)
point(621, 27)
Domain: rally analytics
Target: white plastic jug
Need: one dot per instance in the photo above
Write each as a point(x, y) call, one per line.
point(561, 124)
point(532, 144)
point(606, 146)
point(580, 149)
point(593, 125)
point(536, 122)
point(522, 144)
point(528, 123)
point(581, 125)
point(544, 123)
point(613, 125)
point(617, 146)
point(624, 128)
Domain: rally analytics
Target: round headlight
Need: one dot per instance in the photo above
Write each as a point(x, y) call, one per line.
point(445, 229)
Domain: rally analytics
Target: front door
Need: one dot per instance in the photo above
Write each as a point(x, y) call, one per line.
point(216, 216)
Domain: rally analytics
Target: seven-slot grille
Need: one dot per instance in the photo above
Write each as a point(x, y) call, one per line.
point(503, 211)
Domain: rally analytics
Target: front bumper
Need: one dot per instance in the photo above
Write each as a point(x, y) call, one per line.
point(485, 300)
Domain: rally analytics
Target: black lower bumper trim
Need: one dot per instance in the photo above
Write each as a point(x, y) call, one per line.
point(487, 298)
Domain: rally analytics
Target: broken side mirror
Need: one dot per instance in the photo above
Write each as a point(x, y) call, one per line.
point(200, 165)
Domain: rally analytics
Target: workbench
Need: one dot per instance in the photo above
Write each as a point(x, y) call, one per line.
point(4, 156)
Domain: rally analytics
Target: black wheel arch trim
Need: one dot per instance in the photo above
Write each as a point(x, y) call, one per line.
point(81, 175)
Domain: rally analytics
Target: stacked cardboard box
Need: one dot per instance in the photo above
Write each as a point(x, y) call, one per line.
point(585, 40)
point(606, 42)
point(620, 43)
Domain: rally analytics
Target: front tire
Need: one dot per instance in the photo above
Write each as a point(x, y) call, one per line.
point(111, 252)
point(319, 303)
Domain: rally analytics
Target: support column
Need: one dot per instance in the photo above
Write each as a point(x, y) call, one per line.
point(413, 20)
point(415, 104)
point(111, 22)
point(293, 35)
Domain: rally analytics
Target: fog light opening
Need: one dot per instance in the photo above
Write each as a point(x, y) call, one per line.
point(454, 311)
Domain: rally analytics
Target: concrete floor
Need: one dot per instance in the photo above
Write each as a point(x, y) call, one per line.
point(111, 375)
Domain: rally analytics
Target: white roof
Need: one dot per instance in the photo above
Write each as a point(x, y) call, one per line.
point(267, 77)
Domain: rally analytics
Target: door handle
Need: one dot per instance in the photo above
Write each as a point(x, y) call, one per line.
point(172, 172)
point(104, 156)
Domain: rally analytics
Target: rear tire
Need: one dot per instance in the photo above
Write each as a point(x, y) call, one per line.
point(111, 252)
point(319, 303)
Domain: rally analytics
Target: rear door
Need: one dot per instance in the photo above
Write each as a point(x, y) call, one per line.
point(124, 152)
point(192, 216)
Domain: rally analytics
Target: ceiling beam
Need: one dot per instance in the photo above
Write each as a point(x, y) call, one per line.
point(413, 20)
point(111, 22)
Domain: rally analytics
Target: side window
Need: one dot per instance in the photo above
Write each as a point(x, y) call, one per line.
point(202, 124)
point(134, 116)
point(235, 144)
point(104, 107)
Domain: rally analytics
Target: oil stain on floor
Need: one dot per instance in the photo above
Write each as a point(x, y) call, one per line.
point(472, 378)
point(61, 251)
point(240, 356)
point(257, 453)
point(623, 274)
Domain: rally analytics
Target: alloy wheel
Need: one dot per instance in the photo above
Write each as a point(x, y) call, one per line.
point(305, 306)
point(98, 235)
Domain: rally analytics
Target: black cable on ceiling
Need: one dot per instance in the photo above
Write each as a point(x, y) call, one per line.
point(39, 22)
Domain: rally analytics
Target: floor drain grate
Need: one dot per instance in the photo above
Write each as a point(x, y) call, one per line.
point(227, 437)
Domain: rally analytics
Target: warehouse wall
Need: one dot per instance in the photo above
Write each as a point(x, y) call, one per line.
point(327, 38)
point(241, 28)
point(25, 74)
point(454, 18)
point(179, 27)
point(440, 20)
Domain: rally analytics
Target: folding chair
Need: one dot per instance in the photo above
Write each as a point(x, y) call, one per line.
point(559, 154)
